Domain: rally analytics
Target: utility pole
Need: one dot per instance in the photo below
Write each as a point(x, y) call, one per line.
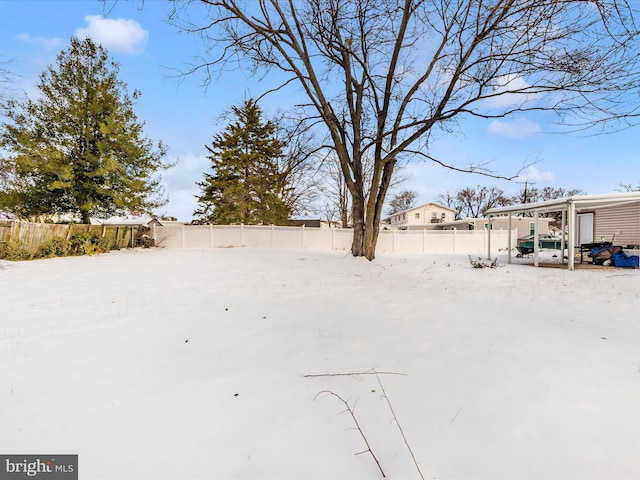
point(526, 184)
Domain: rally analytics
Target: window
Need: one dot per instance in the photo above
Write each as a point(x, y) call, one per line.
point(486, 226)
point(434, 215)
point(443, 216)
point(417, 216)
point(532, 228)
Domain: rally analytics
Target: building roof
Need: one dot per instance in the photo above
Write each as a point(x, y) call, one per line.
point(423, 206)
point(581, 202)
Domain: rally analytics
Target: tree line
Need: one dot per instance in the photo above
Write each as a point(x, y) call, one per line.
point(379, 78)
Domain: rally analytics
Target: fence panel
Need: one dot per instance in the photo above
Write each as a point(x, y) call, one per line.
point(29, 237)
point(392, 241)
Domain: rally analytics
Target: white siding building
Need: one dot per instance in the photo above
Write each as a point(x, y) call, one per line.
point(423, 216)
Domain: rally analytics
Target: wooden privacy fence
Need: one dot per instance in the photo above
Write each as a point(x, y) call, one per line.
point(31, 236)
point(391, 241)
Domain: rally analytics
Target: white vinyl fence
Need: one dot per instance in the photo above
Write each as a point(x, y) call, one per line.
point(391, 241)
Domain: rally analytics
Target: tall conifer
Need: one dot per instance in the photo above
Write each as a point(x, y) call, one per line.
point(245, 185)
point(79, 147)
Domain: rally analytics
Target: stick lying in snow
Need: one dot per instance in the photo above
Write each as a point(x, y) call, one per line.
point(353, 374)
point(384, 394)
point(355, 420)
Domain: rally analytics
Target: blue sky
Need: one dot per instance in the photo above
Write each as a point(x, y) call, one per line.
point(185, 116)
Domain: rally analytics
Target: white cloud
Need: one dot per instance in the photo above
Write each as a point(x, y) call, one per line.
point(48, 43)
point(116, 35)
point(510, 83)
point(532, 174)
point(518, 128)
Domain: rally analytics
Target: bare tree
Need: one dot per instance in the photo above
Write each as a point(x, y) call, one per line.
point(449, 199)
point(337, 201)
point(533, 194)
point(5, 78)
point(474, 202)
point(628, 187)
point(402, 201)
point(298, 172)
point(382, 75)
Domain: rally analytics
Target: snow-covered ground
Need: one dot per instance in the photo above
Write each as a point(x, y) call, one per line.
point(191, 364)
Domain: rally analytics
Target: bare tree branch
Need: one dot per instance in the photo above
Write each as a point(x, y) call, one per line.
point(355, 420)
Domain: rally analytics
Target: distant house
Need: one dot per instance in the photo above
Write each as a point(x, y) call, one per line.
point(423, 216)
point(523, 225)
point(433, 216)
point(314, 223)
point(130, 219)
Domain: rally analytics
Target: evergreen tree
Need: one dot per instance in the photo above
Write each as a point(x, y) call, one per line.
point(245, 185)
point(79, 148)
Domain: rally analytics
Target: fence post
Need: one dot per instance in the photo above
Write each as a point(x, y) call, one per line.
point(303, 235)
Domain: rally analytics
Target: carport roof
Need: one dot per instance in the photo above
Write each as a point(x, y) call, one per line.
point(581, 202)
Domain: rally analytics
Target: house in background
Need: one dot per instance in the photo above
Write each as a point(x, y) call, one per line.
point(433, 216)
point(314, 223)
point(427, 216)
point(523, 225)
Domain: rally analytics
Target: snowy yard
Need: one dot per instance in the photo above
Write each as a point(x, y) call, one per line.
point(184, 364)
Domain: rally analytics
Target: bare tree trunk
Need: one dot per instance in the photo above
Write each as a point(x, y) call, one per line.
point(359, 226)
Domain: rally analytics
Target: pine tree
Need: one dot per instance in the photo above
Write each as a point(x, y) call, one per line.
point(245, 186)
point(79, 148)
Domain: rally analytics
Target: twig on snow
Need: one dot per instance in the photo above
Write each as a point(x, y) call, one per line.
point(395, 418)
point(355, 420)
point(456, 415)
point(352, 374)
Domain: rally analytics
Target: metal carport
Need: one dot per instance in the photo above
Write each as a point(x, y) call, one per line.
point(570, 207)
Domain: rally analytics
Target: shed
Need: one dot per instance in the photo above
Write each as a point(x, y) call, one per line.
point(585, 218)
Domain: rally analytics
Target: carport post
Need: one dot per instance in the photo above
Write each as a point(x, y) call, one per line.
point(572, 235)
point(536, 239)
point(563, 244)
point(489, 239)
point(509, 240)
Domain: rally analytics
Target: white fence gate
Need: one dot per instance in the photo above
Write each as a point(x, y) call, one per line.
point(389, 241)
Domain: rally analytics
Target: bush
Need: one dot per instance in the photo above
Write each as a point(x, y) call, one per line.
point(145, 241)
point(57, 247)
point(13, 251)
point(85, 243)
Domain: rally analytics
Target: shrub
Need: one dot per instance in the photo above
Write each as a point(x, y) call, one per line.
point(85, 243)
point(56, 247)
point(13, 251)
point(145, 241)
